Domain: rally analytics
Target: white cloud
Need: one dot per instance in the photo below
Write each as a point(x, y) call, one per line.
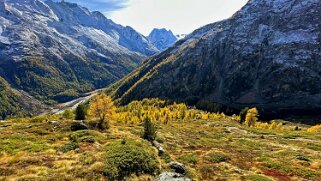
point(181, 16)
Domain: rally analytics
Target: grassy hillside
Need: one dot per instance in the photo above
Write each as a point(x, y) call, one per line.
point(211, 146)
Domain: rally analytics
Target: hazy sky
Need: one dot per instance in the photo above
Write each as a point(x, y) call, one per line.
point(181, 16)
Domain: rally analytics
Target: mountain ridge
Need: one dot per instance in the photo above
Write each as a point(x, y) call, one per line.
point(238, 62)
point(55, 51)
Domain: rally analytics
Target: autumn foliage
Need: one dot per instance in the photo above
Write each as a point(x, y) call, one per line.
point(161, 112)
point(101, 107)
point(251, 117)
point(314, 129)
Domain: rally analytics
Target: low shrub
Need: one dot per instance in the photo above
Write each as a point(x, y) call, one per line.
point(256, 178)
point(123, 158)
point(68, 114)
point(68, 147)
point(87, 158)
point(189, 159)
point(217, 157)
point(89, 136)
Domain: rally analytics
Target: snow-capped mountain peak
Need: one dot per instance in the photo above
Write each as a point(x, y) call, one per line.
point(162, 38)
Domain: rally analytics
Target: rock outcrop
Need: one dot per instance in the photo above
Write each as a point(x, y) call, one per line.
point(172, 176)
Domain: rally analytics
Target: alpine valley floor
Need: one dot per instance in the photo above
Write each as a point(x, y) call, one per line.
point(211, 146)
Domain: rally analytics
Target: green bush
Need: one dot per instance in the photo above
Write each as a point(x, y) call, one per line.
point(68, 114)
point(68, 147)
point(256, 178)
point(90, 136)
point(217, 157)
point(39, 119)
point(189, 159)
point(123, 158)
point(87, 158)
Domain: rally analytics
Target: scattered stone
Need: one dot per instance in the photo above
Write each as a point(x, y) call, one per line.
point(237, 170)
point(172, 176)
point(76, 126)
point(52, 122)
point(159, 147)
point(29, 126)
point(177, 167)
point(5, 126)
point(303, 158)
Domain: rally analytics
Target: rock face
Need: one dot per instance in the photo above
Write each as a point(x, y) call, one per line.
point(162, 38)
point(267, 55)
point(58, 50)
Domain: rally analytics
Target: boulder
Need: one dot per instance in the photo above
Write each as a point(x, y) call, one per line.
point(76, 126)
point(159, 147)
point(172, 176)
point(178, 167)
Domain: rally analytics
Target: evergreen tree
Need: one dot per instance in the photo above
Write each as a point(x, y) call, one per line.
point(243, 114)
point(81, 112)
point(149, 129)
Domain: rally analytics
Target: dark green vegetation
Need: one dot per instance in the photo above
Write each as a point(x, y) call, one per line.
point(80, 112)
point(212, 147)
point(13, 103)
point(129, 156)
point(49, 79)
point(9, 101)
point(149, 130)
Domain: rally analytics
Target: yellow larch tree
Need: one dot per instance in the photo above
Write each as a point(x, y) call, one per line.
point(102, 107)
point(251, 117)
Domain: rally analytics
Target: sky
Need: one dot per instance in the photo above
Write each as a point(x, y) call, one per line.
point(180, 16)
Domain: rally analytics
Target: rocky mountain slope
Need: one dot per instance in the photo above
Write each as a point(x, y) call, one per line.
point(267, 55)
point(56, 51)
point(162, 38)
point(17, 103)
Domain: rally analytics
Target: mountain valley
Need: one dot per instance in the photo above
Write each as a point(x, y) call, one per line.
point(84, 98)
